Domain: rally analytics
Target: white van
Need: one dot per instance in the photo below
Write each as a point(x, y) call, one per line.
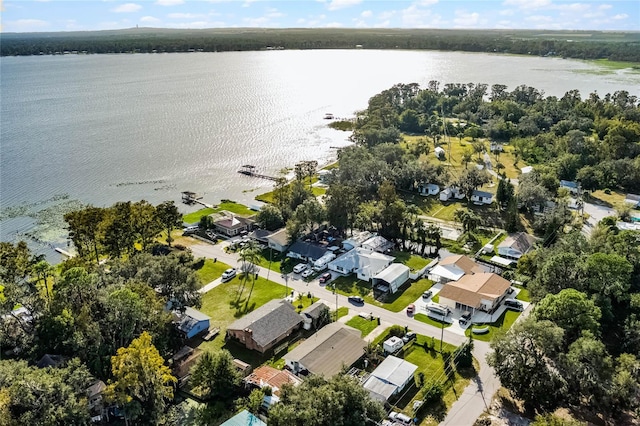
point(400, 418)
point(299, 268)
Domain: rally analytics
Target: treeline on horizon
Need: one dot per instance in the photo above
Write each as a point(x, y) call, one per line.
point(620, 46)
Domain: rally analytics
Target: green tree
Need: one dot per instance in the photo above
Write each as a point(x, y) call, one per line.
point(141, 383)
point(469, 220)
point(505, 192)
point(42, 397)
point(145, 224)
point(340, 401)
point(552, 420)
point(609, 275)
point(168, 215)
point(470, 180)
point(85, 230)
point(215, 375)
point(117, 227)
point(572, 311)
point(269, 217)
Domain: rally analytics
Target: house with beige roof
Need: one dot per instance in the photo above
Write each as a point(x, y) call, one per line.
point(479, 291)
point(327, 351)
point(279, 240)
point(516, 245)
point(452, 268)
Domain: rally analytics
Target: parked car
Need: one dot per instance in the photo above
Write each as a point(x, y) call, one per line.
point(299, 268)
point(403, 419)
point(465, 318)
point(228, 274)
point(306, 273)
point(356, 300)
point(411, 309)
point(325, 277)
point(516, 305)
point(427, 294)
point(409, 337)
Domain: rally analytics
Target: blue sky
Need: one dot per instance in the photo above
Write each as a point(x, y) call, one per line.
point(73, 15)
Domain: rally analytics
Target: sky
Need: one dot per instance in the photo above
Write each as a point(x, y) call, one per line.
point(81, 15)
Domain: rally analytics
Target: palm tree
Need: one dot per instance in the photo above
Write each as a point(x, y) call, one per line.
point(250, 257)
point(469, 220)
point(434, 234)
point(42, 270)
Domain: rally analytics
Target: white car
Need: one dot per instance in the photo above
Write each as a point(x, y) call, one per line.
point(299, 268)
point(228, 274)
point(307, 273)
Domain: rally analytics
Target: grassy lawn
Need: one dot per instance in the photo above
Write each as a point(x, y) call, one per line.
point(364, 325)
point(436, 298)
point(211, 271)
point(342, 312)
point(503, 323)
point(396, 302)
point(230, 206)
point(317, 191)
point(428, 320)
point(267, 197)
point(610, 200)
point(523, 295)
point(411, 260)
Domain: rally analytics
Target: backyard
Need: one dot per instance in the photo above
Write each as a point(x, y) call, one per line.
point(366, 326)
point(396, 302)
point(227, 205)
point(211, 270)
point(505, 322)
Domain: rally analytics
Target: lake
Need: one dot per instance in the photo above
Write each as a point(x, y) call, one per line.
point(104, 128)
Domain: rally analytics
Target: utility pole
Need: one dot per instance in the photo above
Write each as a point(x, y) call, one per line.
point(286, 283)
point(441, 334)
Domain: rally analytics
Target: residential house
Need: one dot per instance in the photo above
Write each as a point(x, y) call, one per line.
point(390, 279)
point(480, 291)
point(279, 240)
point(356, 239)
point(233, 225)
point(481, 197)
point(378, 243)
point(326, 352)
point(570, 185)
point(315, 315)
point(306, 251)
point(95, 400)
point(516, 245)
point(428, 189)
point(265, 327)
point(389, 378)
point(452, 268)
point(267, 376)
point(633, 200)
point(362, 262)
point(451, 192)
point(439, 152)
point(244, 418)
point(260, 235)
point(192, 322)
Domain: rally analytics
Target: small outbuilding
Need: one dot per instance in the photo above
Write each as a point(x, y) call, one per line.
point(439, 152)
point(428, 189)
point(392, 344)
point(569, 185)
point(390, 279)
point(193, 322)
point(481, 197)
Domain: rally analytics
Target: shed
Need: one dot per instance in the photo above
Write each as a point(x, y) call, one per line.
point(193, 322)
point(526, 169)
point(481, 197)
point(428, 189)
point(391, 278)
point(392, 344)
point(439, 152)
point(390, 378)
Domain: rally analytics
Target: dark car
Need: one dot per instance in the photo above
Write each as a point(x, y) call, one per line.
point(516, 305)
point(356, 300)
point(325, 277)
point(427, 294)
point(409, 337)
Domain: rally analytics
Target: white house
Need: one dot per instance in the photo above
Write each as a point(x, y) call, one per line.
point(439, 152)
point(362, 262)
point(570, 185)
point(356, 239)
point(390, 279)
point(390, 378)
point(452, 268)
point(451, 192)
point(481, 291)
point(377, 243)
point(279, 240)
point(516, 245)
point(428, 189)
point(481, 197)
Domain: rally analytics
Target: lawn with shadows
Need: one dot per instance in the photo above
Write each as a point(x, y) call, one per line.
point(505, 322)
point(412, 261)
point(428, 320)
point(365, 326)
point(211, 270)
point(230, 206)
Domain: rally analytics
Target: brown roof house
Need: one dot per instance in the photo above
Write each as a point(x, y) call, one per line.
point(452, 268)
point(271, 377)
point(327, 351)
point(265, 327)
point(482, 291)
point(233, 225)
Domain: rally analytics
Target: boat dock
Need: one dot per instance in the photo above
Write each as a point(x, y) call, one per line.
point(189, 197)
point(249, 170)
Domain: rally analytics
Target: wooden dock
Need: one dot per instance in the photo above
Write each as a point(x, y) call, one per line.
point(249, 170)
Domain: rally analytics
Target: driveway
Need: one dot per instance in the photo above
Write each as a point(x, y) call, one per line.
point(475, 398)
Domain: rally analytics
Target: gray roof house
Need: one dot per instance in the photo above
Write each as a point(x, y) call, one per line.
point(633, 200)
point(306, 251)
point(516, 245)
point(279, 240)
point(390, 378)
point(265, 327)
point(327, 351)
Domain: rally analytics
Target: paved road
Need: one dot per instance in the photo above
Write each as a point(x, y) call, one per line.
point(475, 398)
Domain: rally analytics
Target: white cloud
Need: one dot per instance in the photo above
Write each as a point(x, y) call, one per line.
point(527, 4)
point(24, 25)
point(465, 19)
point(383, 24)
point(507, 12)
point(620, 16)
point(150, 20)
point(127, 8)
point(274, 13)
point(383, 16)
point(179, 15)
point(341, 4)
point(366, 14)
point(539, 18)
point(333, 25)
point(416, 17)
point(605, 6)
point(169, 2)
point(425, 2)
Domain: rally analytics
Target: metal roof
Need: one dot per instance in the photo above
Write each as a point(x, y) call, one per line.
point(392, 272)
point(390, 375)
